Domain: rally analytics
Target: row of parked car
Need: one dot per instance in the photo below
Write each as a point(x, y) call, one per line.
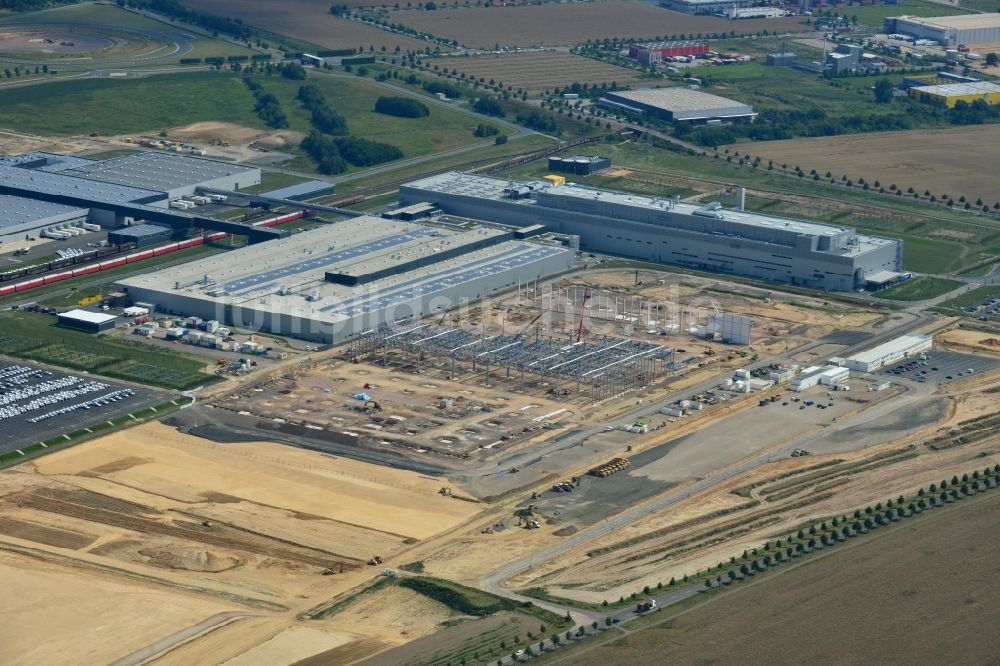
point(989, 307)
point(12, 395)
point(45, 399)
point(102, 401)
point(19, 375)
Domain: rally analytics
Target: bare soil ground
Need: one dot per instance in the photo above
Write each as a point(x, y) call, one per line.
point(955, 161)
point(238, 137)
point(202, 528)
point(536, 71)
point(976, 342)
point(563, 24)
point(55, 614)
point(766, 503)
point(920, 594)
point(412, 417)
point(309, 20)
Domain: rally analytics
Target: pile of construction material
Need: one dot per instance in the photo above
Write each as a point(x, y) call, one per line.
point(610, 467)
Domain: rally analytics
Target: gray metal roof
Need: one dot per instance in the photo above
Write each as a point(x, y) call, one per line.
point(142, 230)
point(155, 170)
point(678, 99)
point(301, 190)
point(484, 187)
point(44, 161)
point(61, 183)
point(15, 211)
point(961, 89)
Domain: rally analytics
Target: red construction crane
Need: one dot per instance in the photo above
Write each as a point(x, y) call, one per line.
point(586, 297)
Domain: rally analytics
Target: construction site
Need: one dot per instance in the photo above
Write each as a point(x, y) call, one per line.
point(572, 441)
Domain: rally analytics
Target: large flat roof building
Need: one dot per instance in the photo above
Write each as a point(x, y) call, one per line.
point(949, 94)
point(703, 237)
point(345, 278)
point(174, 174)
point(20, 217)
point(44, 191)
point(678, 105)
point(948, 30)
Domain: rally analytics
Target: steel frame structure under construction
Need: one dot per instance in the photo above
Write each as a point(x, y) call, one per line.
point(605, 366)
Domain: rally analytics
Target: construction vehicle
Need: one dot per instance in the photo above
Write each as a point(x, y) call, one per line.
point(445, 491)
point(709, 351)
point(513, 470)
point(612, 466)
point(375, 559)
point(532, 525)
point(645, 606)
point(563, 487)
point(799, 453)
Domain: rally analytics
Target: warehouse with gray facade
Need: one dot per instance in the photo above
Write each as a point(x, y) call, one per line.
point(343, 279)
point(705, 237)
point(33, 185)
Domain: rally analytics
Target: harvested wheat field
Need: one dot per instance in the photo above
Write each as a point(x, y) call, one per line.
point(542, 70)
point(957, 162)
point(260, 530)
point(562, 24)
point(309, 20)
point(920, 594)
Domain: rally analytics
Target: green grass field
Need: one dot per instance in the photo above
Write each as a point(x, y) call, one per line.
point(38, 338)
point(117, 106)
point(354, 98)
point(919, 289)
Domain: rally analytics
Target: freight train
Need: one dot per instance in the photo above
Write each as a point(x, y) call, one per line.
point(135, 257)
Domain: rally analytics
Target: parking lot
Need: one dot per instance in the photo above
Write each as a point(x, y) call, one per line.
point(38, 403)
point(941, 367)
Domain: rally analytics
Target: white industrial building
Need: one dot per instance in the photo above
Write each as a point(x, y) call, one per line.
point(901, 347)
point(948, 30)
point(829, 375)
point(350, 277)
point(702, 236)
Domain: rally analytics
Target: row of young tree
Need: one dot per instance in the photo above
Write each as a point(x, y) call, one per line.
point(324, 118)
point(334, 154)
point(838, 529)
point(175, 10)
point(268, 107)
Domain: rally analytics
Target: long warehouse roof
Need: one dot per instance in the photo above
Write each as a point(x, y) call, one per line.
point(281, 274)
point(15, 211)
point(155, 170)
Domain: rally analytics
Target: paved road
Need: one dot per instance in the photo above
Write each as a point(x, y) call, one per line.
point(152, 650)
